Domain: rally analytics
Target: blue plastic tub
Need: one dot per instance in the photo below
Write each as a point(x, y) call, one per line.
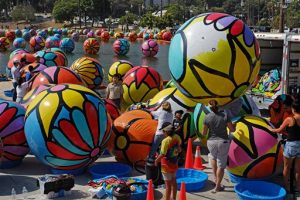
point(8, 93)
point(194, 180)
point(237, 179)
point(253, 190)
point(106, 169)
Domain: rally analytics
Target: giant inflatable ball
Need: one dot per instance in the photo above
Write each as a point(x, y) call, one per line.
point(17, 51)
point(13, 145)
point(140, 84)
point(121, 47)
point(67, 45)
point(132, 136)
point(254, 152)
point(105, 36)
point(91, 46)
point(52, 41)
point(112, 109)
point(50, 58)
point(67, 127)
point(29, 58)
point(4, 43)
point(199, 116)
point(19, 43)
point(90, 70)
point(30, 95)
point(37, 43)
point(214, 56)
point(10, 35)
point(119, 68)
point(75, 36)
point(56, 75)
point(150, 48)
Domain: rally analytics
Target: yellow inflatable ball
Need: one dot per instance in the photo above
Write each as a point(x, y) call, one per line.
point(140, 84)
point(214, 56)
point(120, 68)
point(177, 100)
point(254, 152)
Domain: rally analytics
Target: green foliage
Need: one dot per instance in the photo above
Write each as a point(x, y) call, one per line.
point(65, 10)
point(293, 15)
point(23, 12)
point(129, 18)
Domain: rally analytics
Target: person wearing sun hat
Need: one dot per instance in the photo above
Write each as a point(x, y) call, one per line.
point(168, 157)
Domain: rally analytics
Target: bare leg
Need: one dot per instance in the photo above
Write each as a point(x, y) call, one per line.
point(287, 162)
point(213, 163)
point(168, 189)
point(220, 174)
point(174, 189)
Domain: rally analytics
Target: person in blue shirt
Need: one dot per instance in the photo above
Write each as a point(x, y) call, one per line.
point(29, 74)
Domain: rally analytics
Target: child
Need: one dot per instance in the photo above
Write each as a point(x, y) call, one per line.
point(170, 148)
point(21, 90)
point(177, 122)
point(114, 90)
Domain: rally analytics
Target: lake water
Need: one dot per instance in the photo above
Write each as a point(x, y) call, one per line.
point(106, 56)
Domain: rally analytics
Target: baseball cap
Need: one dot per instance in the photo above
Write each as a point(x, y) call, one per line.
point(167, 126)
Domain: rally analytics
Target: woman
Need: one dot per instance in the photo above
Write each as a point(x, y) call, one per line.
point(292, 146)
point(163, 115)
point(218, 142)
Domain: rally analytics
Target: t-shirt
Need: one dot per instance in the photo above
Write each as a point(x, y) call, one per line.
point(162, 116)
point(15, 73)
point(115, 90)
point(170, 147)
point(28, 76)
point(217, 125)
point(21, 90)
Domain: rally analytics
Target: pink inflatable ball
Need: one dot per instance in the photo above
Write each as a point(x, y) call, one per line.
point(13, 145)
point(75, 36)
point(121, 47)
point(105, 36)
point(150, 48)
point(90, 34)
point(10, 35)
point(85, 31)
point(132, 36)
point(29, 58)
point(167, 36)
point(52, 41)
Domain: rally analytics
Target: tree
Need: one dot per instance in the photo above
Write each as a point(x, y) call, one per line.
point(65, 10)
point(148, 20)
point(127, 19)
point(23, 12)
point(293, 15)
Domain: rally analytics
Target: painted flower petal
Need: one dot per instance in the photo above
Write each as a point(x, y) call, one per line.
point(213, 17)
point(17, 138)
point(63, 153)
point(6, 117)
point(248, 36)
point(16, 124)
point(225, 22)
point(92, 118)
point(237, 28)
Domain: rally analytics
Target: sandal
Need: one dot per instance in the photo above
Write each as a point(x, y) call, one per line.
point(219, 190)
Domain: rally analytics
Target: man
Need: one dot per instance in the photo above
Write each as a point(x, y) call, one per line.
point(114, 90)
point(16, 75)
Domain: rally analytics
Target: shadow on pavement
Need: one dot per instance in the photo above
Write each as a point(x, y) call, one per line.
point(18, 182)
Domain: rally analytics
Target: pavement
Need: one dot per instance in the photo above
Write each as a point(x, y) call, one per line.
point(26, 175)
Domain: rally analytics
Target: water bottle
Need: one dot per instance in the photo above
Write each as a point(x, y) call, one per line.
point(13, 194)
point(24, 192)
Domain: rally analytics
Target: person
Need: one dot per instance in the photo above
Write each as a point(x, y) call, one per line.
point(218, 142)
point(163, 114)
point(114, 90)
point(177, 122)
point(168, 157)
point(37, 59)
point(292, 146)
point(29, 74)
point(21, 90)
point(23, 60)
point(16, 75)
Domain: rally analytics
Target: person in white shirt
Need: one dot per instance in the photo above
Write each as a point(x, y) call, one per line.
point(21, 90)
point(163, 114)
point(16, 75)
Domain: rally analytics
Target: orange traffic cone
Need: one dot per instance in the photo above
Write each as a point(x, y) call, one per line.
point(182, 194)
point(150, 191)
point(189, 155)
point(198, 160)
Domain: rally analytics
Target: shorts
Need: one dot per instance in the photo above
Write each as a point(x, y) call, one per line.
point(169, 176)
point(218, 150)
point(291, 149)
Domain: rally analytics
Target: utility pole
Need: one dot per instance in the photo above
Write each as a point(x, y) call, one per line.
point(281, 16)
point(161, 2)
point(79, 14)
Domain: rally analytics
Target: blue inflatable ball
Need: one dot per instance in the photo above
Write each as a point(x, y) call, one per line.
point(59, 31)
point(19, 43)
point(32, 32)
point(26, 36)
point(146, 36)
point(75, 36)
point(67, 45)
point(52, 41)
point(43, 34)
point(57, 35)
point(65, 31)
point(18, 33)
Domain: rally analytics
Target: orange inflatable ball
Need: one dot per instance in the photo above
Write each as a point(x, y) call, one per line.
point(132, 136)
point(91, 46)
point(105, 36)
point(29, 58)
point(132, 36)
point(56, 75)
